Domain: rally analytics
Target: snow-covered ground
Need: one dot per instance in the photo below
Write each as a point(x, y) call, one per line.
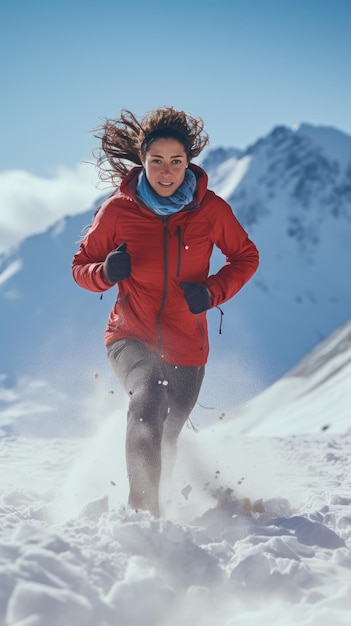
point(255, 529)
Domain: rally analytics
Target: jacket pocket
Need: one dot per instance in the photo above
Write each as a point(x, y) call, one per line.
point(119, 311)
point(195, 247)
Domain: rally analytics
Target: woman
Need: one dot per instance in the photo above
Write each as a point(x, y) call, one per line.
point(153, 237)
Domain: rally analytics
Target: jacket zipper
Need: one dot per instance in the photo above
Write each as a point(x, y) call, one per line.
point(165, 285)
point(200, 333)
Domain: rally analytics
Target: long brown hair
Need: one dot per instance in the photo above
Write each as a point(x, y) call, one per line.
point(123, 139)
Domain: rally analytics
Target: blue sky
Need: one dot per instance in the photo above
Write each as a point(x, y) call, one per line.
point(244, 66)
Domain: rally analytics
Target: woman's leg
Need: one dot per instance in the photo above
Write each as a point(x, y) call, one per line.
point(138, 370)
point(184, 384)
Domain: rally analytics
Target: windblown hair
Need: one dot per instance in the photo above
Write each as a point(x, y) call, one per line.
point(123, 139)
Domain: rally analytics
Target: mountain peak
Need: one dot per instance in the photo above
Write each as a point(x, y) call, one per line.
point(216, 156)
point(333, 142)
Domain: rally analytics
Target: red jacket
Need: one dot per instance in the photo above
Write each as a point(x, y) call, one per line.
point(165, 251)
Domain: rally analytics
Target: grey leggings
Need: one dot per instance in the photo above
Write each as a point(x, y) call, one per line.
point(161, 398)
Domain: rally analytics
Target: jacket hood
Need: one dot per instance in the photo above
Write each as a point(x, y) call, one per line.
point(129, 183)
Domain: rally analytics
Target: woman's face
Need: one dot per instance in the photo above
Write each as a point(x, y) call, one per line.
point(165, 164)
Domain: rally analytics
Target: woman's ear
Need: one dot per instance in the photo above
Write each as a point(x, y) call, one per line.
point(141, 157)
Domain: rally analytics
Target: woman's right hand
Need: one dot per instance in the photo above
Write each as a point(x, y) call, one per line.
point(117, 265)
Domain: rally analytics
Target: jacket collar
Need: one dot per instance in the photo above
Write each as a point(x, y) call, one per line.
point(129, 183)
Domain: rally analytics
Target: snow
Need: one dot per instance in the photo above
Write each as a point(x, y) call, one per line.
point(321, 379)
point(255, 525)
point(229, 174)
point(10, 271)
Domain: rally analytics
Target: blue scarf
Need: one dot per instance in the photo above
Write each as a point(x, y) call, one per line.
point(172, 204)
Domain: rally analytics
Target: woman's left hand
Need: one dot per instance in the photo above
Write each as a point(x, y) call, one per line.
point(197, 296)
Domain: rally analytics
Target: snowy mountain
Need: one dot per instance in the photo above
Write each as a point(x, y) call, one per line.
point(321, 380)
point(292, 192)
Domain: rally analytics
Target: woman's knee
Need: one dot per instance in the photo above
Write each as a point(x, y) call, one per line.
point(148, 402)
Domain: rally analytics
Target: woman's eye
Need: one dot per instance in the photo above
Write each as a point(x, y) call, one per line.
point(159, 161)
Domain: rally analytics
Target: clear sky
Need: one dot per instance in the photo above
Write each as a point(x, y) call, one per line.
point(243, 65)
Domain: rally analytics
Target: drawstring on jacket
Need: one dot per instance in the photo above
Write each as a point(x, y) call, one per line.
point(221, 319)
point(191, 425)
